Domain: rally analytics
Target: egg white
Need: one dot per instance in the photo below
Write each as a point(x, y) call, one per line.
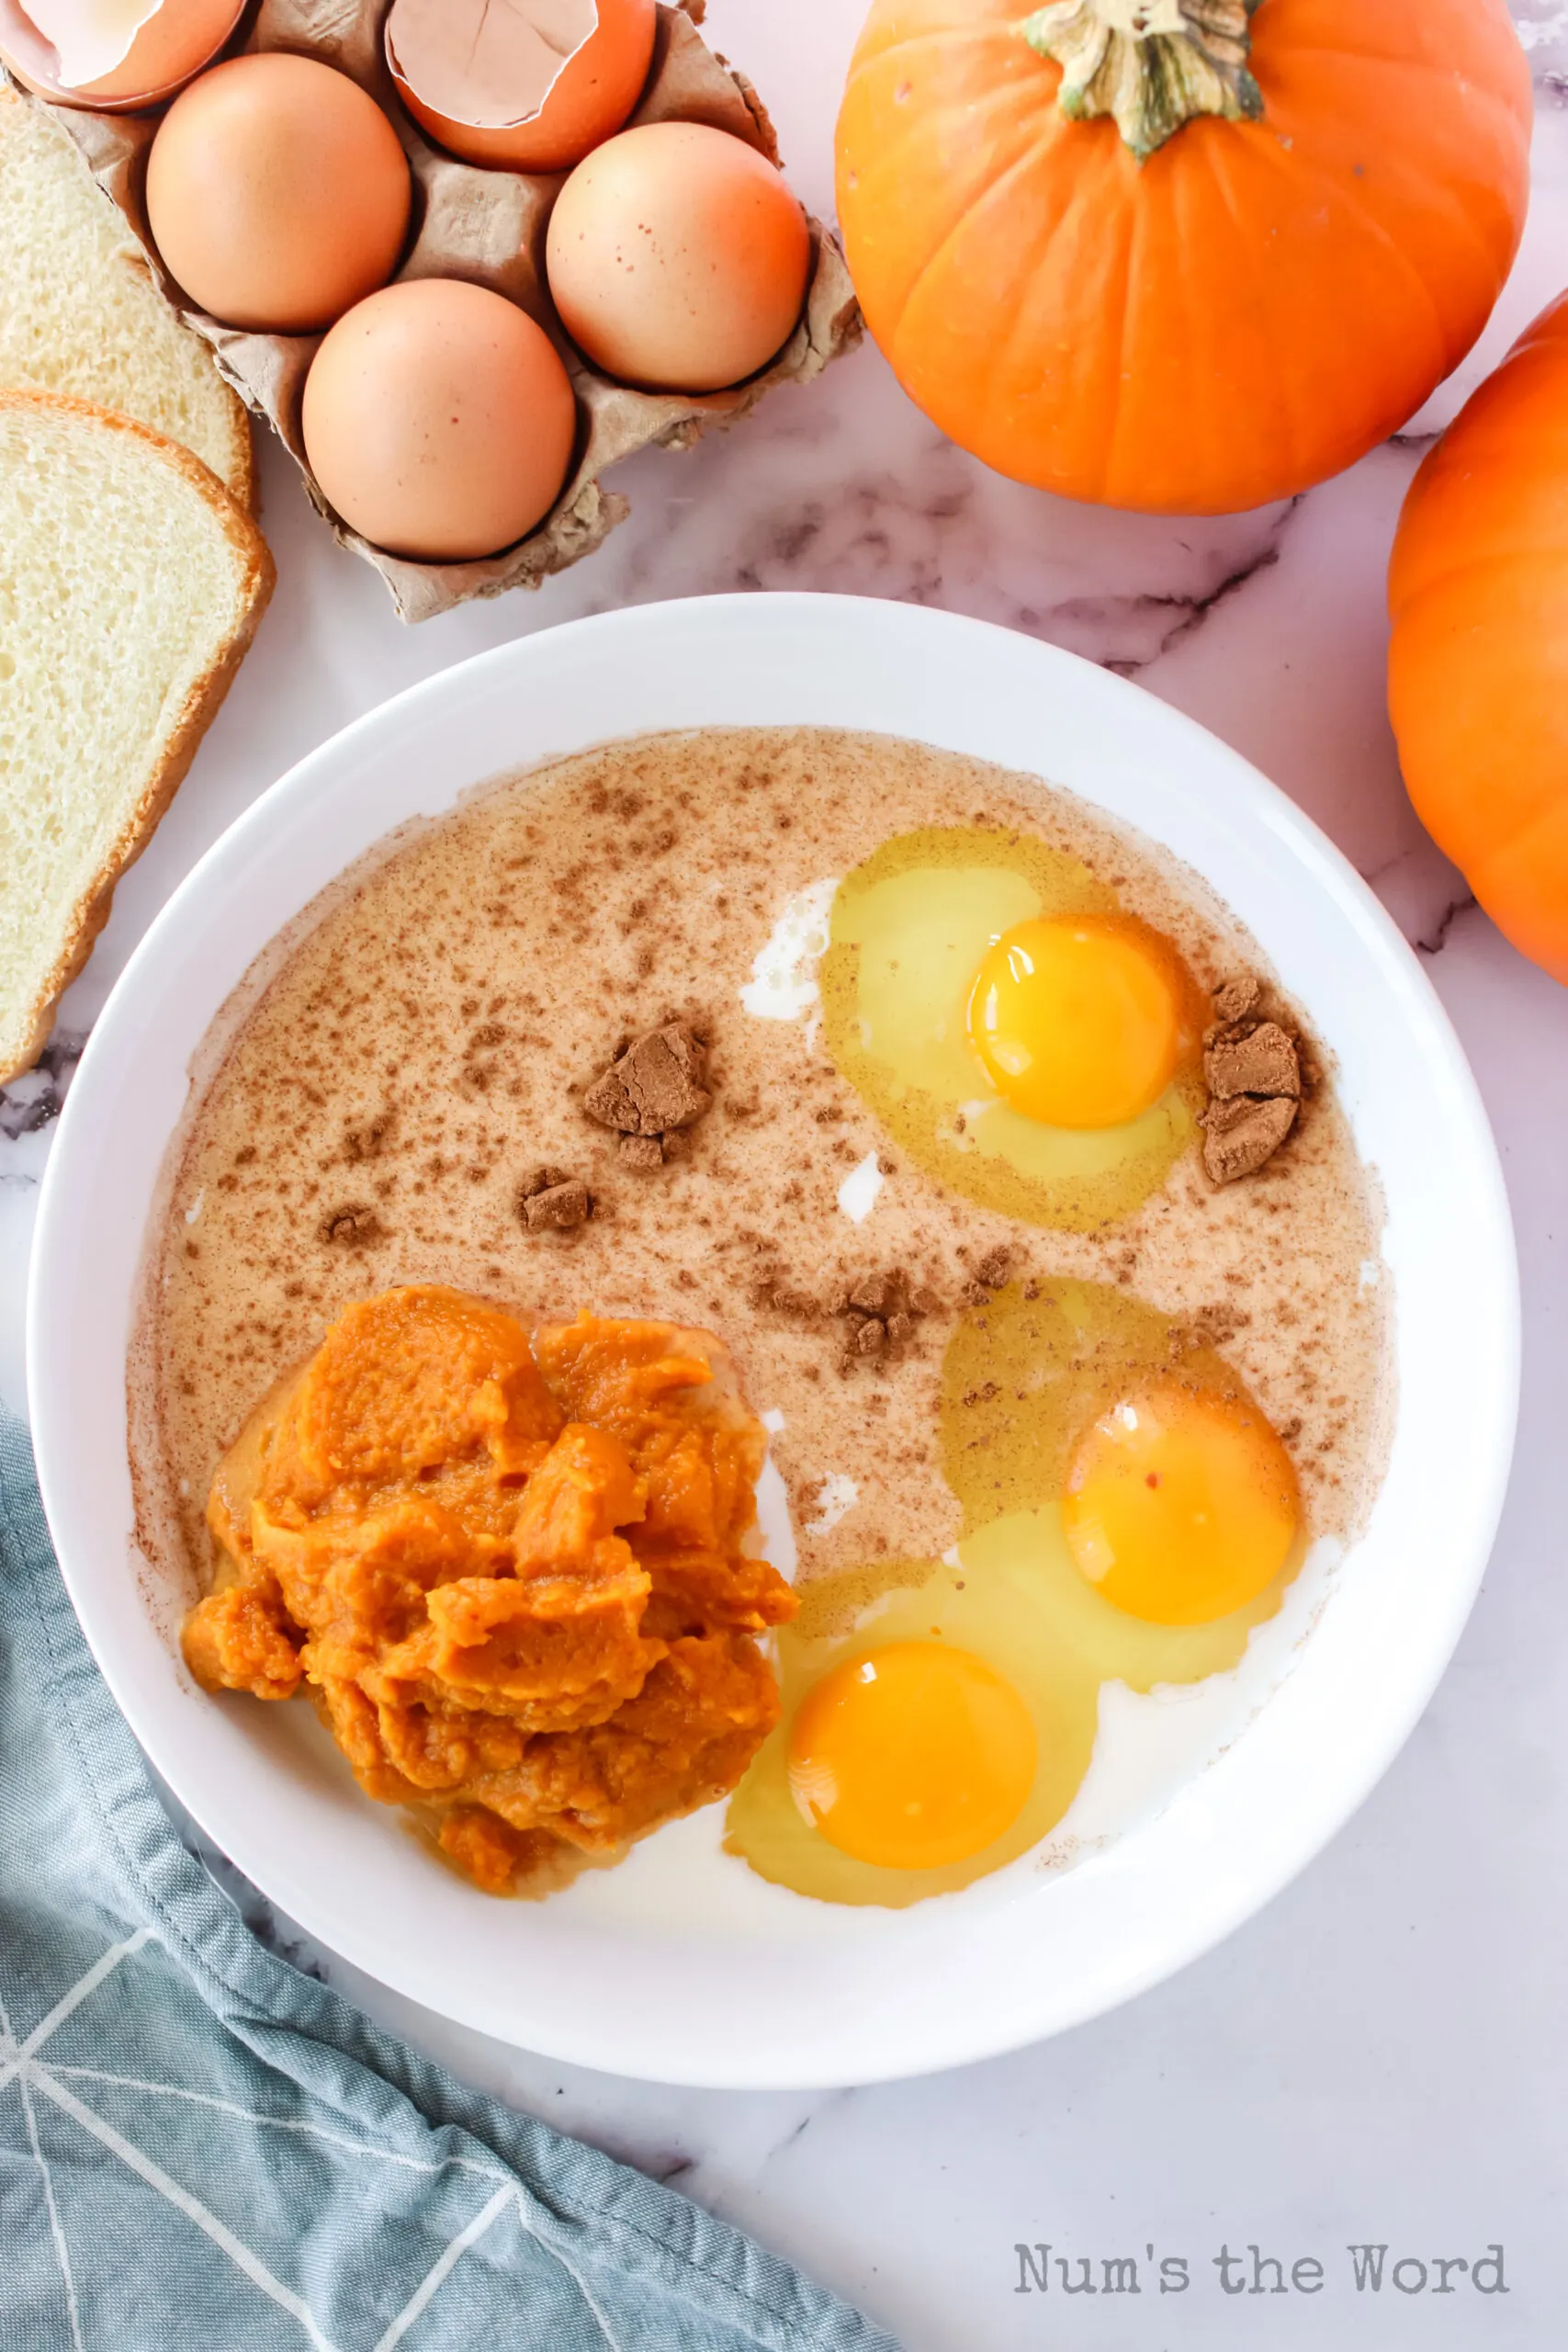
point(1148, 1748)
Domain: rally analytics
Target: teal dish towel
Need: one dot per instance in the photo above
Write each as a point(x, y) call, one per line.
point(203, 2151)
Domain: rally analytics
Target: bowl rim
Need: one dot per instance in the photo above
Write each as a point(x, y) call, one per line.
point(1173, 1887)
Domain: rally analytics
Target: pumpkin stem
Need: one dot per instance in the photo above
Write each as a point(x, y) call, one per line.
point(1151, 64)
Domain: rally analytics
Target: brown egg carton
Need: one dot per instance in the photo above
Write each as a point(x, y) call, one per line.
point(489, 227)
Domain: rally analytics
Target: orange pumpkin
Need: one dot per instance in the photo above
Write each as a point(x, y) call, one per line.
point(1172, 254)
point(1478, 662)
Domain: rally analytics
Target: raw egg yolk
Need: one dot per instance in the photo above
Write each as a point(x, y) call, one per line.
point(1181, 1505)
point(912, 1758)
point(1077, 1020)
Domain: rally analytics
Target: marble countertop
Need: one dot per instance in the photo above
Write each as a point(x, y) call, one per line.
point(1379, 2058)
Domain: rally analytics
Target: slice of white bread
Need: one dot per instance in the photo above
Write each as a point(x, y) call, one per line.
point(80, 314)
point(131, 585)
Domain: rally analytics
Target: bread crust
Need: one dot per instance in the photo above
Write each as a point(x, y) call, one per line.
point(257, 577)
point(245, 486)
point(244, 483)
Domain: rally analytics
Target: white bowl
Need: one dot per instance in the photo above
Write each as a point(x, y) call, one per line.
point(802, 1993)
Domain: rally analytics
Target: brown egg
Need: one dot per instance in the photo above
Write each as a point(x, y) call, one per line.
point(173, 43)
point(678, 258)
point(439, 420)
point(504, 88)
point(277, 193)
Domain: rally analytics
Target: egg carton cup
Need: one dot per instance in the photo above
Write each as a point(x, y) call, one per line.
point(488, 228)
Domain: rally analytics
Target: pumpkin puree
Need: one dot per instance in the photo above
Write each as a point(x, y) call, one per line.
point(508, 1570)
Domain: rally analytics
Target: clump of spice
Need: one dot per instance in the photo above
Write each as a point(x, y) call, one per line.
point(1252, 1068)
point(551, 1200)
point(877, 1317)
point(654, 1091)
point(991, 1274)
point(355, 1226)
point(872, 1320)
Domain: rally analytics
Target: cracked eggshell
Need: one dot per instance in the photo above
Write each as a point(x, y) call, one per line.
point(530, 88)
point(113, 56)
